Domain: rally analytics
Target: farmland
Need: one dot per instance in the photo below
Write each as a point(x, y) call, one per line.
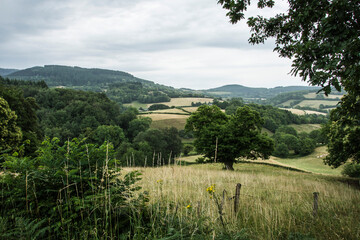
point(180, 102)
point(167, 120)
point(317, 103)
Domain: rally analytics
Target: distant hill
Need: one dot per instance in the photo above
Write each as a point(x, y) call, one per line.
point(119, 86)
point(230, 91)
point(56, 75)
point(4, 71)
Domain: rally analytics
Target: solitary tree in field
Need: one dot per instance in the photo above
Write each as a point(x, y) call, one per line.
point(223, 138)
point(322, 39)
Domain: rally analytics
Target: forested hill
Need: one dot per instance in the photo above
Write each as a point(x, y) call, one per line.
point(119, 86)
point(248, 92)
point(56, 75)
point(6, 71)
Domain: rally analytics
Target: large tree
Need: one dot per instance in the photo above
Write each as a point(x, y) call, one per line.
point(322, 39)
point(223, 138)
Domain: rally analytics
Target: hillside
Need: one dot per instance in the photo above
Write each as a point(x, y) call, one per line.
point(230, 91)
point(5, 71)
point(119, 86)
point(55, 75)
point(307, 101)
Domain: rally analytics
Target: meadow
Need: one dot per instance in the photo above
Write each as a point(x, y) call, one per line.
point(179, 102)
point(330, 96)
point(317, 103)
point(302, 112)
point(274, 203)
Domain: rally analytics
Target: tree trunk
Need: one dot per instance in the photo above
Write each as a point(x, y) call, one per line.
point(229, 166)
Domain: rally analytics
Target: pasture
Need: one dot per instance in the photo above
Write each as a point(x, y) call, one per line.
point(330, 96)
point(274, 203)
point(305, 127)
point(181, 102)
point(316, 103)
point(302, 112)
point(311, 163)
point(161, 120)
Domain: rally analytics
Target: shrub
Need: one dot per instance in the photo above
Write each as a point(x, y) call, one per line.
point(187, 149)
point(76, 187)
point(200, 160)
point(281, 150)
point(351, 170)
point(158, 107)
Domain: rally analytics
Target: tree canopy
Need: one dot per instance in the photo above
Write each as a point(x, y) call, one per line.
point(10, 133)
point(322, 39)
point(223, 138)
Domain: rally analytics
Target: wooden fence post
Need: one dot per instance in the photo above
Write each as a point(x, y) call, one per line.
point(237, 196)
point(315, 207)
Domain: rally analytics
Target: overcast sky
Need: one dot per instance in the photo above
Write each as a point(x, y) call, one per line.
point(179, 43)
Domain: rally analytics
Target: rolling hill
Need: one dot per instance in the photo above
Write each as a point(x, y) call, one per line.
point(230, 91)
point(119, 86)
point(5, 71)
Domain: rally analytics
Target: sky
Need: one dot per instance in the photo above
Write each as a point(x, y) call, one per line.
point(179, 43)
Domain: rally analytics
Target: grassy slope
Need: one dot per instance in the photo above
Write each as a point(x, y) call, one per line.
point(312, 163)
point(274, 202)
point(316, 103)
point(305, 127)
point(180, 102)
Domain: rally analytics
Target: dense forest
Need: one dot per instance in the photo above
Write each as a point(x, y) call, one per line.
point(66, 114)
point(119, 86)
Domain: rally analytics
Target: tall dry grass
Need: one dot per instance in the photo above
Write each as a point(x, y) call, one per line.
point(274, 203)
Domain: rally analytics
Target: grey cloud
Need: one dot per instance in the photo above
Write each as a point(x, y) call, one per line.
point(159, 39)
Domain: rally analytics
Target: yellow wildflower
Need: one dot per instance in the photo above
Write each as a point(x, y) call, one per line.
point(211, 189)
point(189, 206)
point(159, 181)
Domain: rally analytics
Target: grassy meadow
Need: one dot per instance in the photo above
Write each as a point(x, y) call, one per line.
point(180, 102)
point(302, 112)
point(305, 127)
point(316, 103)
point(311, 163)
point(274, 203)
point(330, 96)
point(162, 120)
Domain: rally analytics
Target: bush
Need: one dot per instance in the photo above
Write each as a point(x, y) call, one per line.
point(158, 107)
point(351, 170)
point(187, 149)
point(76, 188)
point(281, 150)
point(200, 160)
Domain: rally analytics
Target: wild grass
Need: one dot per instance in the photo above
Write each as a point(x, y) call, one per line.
point(274, 203)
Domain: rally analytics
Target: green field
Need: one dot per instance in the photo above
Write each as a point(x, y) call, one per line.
point(167, 120)
point(316, 103)
point(330, 96)
point(311, 163)
point(136, 104)
point(305, 127)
